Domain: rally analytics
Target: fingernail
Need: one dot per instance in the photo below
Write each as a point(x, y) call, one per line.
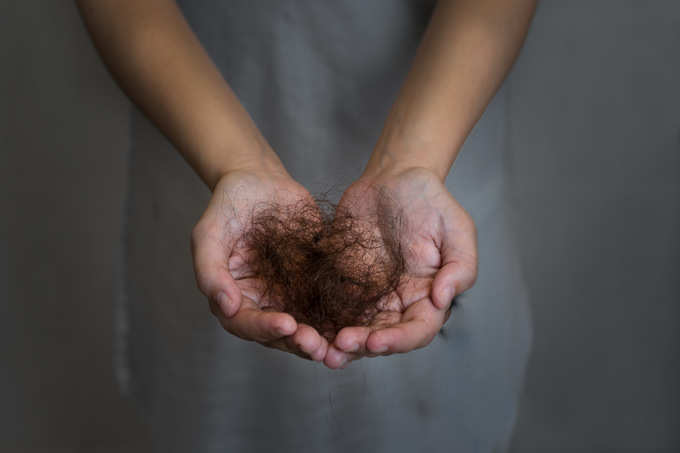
point(343, 363)
point(225, 305)
point(354, 347)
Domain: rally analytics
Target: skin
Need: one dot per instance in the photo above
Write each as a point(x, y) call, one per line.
point(441, 261)
point(221, 263)
point(466, 52)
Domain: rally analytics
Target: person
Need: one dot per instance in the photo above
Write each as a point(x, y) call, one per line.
point(309, 84)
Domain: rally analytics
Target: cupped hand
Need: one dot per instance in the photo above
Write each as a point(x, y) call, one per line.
point(221, 262)
point(438, 238)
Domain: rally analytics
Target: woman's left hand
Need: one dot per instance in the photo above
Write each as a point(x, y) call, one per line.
point(438, 238)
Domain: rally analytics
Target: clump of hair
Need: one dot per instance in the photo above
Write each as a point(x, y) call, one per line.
point(323, 265)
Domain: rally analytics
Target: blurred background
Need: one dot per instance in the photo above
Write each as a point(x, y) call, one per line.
point(593, 155)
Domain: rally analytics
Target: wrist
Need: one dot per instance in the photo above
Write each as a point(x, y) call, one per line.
point(408, 143)
point(260, 159)
point(394, 160)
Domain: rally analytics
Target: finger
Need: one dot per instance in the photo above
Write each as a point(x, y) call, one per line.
point(251, 323)
point(419, 326)
point(319, 354)
point(352, 339)
point(335, 358)
point(451, 280)
point(212, 274)
point(310, 342)
point(458, 250)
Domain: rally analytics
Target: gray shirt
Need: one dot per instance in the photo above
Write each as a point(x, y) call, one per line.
point(318, 78)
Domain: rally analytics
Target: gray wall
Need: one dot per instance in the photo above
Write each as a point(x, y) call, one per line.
point(595, 162)
point(594, 140)
point(64, 129)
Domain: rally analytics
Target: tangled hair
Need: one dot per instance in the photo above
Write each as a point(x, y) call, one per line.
point(323, 265)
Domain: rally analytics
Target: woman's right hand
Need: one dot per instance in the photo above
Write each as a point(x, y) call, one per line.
point(221, 264)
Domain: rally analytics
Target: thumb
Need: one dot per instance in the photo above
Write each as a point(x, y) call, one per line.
point(212, 272)
point(451, 280)
point(459, 264)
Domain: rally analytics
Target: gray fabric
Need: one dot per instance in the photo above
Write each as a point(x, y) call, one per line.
point(318, 78)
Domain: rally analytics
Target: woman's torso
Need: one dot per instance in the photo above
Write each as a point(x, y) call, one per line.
point(318, 79)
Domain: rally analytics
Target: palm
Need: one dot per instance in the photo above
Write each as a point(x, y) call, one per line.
point(221, 259)
point(438, 240)
point(240, 199)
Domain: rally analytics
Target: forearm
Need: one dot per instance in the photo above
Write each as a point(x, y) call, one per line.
point(160, 64)
point(466, 52)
